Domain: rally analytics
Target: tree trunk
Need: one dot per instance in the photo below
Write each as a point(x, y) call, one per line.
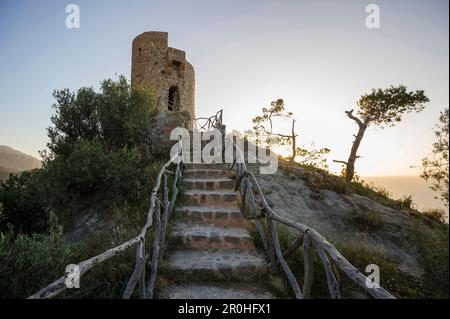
point(294, 144)
point(350, 170)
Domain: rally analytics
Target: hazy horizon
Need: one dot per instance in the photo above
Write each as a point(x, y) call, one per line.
point(416, 187)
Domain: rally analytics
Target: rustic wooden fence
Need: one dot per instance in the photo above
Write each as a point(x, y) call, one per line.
point(158, 215)
point(245, 181)
point(308, 238)
point(203, 124)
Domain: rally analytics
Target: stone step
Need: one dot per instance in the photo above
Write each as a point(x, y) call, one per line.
point(223, 265)
point(210, 236)
point(204, 142)
point(209, 183)
point(205, 173)
point(200, 165)
point(213, 215)
point(221, 198)
point(216, 291)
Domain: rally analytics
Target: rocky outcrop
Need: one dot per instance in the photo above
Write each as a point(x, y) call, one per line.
point(328, 212)
point(160, 128)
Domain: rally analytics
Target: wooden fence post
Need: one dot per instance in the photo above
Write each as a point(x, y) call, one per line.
point(142, 279)
point(333, 285)
point(309, 266)
point(155, 253)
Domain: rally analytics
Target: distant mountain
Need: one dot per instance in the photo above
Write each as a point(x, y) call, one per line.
point(14, 161)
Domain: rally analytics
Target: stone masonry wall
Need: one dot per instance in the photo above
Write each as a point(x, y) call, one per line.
point(161, 67)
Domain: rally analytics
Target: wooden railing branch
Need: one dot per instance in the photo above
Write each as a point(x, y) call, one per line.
point(138, 274)
point(60, 285)
point(256, 219)
point(294, 246)
point(155, 257)
point(141, 259)
point(290, 276)
point(323, 247)
point(308, 265)
point(165, 219)
point(333, 285)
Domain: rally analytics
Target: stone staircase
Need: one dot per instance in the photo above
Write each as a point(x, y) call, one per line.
point(213, 254)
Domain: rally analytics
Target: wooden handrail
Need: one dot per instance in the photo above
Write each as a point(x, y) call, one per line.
point(245, 182)
point(138, 274)
point(212, 122)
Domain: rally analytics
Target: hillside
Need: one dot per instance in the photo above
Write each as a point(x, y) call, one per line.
point(14, 161)
point(366, 225)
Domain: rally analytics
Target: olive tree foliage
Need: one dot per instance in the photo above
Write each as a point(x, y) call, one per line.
point(263, 129)
point(117, 116)
point(98, 141)
point(436, 165)
point(382, 108)
point(96, 153)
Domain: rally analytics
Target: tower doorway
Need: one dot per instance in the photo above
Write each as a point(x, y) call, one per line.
point(174, 98)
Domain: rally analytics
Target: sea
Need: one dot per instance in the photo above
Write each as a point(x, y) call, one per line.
point(423, 197)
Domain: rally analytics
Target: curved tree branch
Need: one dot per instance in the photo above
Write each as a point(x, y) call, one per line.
point(354, 118)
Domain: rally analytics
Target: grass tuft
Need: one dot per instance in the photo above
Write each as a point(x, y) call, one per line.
point(365, 220)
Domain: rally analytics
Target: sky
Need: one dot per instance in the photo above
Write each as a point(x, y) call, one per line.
point(318, 56)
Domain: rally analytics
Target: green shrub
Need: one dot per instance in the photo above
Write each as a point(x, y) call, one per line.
point(433, 243)
point(128, 176)
point(109, 278)
point(365, 220)
point(82, 172)
point(30, 262)
point(90, 170)
point(392, 279)
point(295, 262)
point(405, 202)
point(118, 116)
point(96, 152)
point(368, 189)
point(23, 206)
point(318, 179)
point(358, 254)
point(96, 158)
point(436, 214)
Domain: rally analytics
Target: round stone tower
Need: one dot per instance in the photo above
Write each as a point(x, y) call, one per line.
point(166, 70)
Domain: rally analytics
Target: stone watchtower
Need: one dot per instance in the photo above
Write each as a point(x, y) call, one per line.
point(166, 70)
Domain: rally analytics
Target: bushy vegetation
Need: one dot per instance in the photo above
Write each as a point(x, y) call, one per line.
point(429, 235)
point(318, 179)
point(90, 170)
point(109, 279)
point(365, 220)
point(117, 116)
point(358, 254)
point(398, 283)
point(22, 204)
point(97, 153)
point(436, 214)
point(295, 262)
point(435, 166)
point(433, 243)
point(30, 262)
